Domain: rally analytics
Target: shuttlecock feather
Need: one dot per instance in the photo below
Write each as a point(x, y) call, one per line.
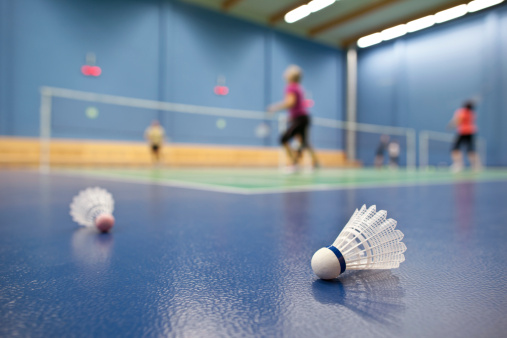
point(93, 207)
point(368, 241)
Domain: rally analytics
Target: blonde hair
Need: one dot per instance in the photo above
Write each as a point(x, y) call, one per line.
point(293, 73)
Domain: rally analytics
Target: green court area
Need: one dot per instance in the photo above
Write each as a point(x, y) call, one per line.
point(252, 181)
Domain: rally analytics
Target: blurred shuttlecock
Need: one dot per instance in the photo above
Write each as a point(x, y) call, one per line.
point(93, 207)
point(368, 241)
point(262, 130)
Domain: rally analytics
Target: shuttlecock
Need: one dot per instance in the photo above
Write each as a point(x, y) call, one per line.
point(368, 241)
point(93, 207)
point(262, 130)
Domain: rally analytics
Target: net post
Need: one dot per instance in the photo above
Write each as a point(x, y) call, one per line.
point(45, 130)
point(423, 150)
point(411, 149)
point(483, 145)
point(351, 102)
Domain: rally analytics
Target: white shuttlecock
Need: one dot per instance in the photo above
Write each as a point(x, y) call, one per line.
point(93, 207)
point(262, 130)
point(368, 241)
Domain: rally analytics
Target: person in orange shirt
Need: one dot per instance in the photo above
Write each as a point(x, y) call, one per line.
point(464, 122)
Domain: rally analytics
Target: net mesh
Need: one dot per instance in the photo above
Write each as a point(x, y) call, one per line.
point(439, 153)
point(70, 114)
point(435, 149)
point(371, 147)
point(72, 118)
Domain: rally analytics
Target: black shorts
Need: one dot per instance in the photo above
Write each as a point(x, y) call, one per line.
point(380, 150)
point(297, 126)
point(467, 140)
point(155, 148)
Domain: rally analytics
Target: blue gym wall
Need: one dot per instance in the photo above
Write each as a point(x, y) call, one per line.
point(419, 80)
point(157, 50)
point(171, 51)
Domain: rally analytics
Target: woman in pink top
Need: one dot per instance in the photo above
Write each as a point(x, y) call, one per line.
point(299, 119)
point(464, 122)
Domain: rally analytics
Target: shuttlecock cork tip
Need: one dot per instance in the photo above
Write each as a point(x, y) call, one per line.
point(326, 265)
point(104, 222)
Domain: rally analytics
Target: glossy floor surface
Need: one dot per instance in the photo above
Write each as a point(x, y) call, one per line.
point(193, 263)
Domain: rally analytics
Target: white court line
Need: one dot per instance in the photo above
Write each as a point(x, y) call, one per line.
point(276, 190)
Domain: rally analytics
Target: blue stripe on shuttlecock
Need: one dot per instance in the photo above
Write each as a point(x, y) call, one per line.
point(339, 255)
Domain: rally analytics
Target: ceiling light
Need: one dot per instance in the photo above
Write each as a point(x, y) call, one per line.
point(425, 22)
point(317, 5)
point(394, 32)
point(297, 14)
point(421, 23)
point(477, 5)
point(369, 40)
point(451, 13)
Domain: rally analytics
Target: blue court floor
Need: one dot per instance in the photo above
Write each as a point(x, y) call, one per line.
point(194, 263)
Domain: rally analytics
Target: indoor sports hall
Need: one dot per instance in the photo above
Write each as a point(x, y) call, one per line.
point(185, 168)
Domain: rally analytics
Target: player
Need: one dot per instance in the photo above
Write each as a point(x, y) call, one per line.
point(299, 119)
point(155, 135)
point(393, 149)
point(464, 122)
point(380, 152)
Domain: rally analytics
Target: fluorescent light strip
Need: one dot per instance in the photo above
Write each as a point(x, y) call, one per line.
point(305, 10)
point(477, 5)
point(297, 14)
point(369, 40)
point(394, 32)
point(425, 22)
point(451, 13)
point(317, 5)
point(421, 23)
